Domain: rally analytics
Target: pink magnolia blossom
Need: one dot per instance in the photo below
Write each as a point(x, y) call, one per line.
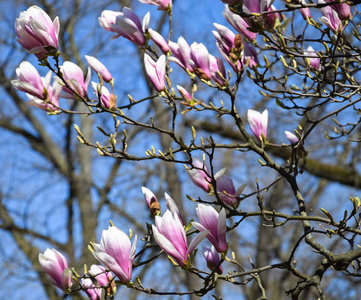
point(104, 94)
point(152, 201)
point(314, 60)
point(343, 10)
point(158, 40)
point(107, 20)
point(292, 138)
point(330, 18)
point(102, 278)
point(225, 189)
point(250, 55)
point(74, 77)
point(35, 30)
point(212, 258)
point(238, 24)
point(218, 70)
point(215, 223)
point(198, 176)
point(116, 253)
point(38, 89)
point(98, 67)
point(155, 71)
point(258, 123)
point(181, 54)
point(259, 6)
point(56, 266)
point(200, 61)
point(172, 207)
point(184, 93)
point(125, 24)
point(52, 102)
point(161, 4)
point(171, 237)
point(29, 81)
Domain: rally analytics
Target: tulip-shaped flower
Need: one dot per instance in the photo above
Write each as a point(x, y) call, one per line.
point(29, 81)
point(161, 4)
point(171, 237)
point(102, 278)
point(158, 40)
point(225, 189)
point(200, 61)
point(74, 77)
point(116, 253)
point(218, 70)
point(330, 18)
point(238, 24)
point(99, 68)
point(259, 6)
point(181, 52)
point(155, 71)
point(343, 10)
point(102, 93)
point(198, 176)
point(56, 266)
point(292, 138)
point(125, 24)
point(35, 30)
point(314, 60)
point(212, 258)
point(215, 223)
point(38, 88)
point(172, 207)
point(154, 206)
point(258, 123)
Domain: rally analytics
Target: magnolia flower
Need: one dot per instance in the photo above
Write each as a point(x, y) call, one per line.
point(74, 77)
point(29, 81)
point(250, 55)
point(102, 278)
point(88, 286)
point(38, 89)
point(238, 24)
point(125, 24)
point(155, 71)
point(293, 139)
point(314, 61)
point(212, 258)
point(116, 253)
point(161, 4)
point(102, 93)
point(152, 201)
point(215, 224)
point(198, 176)
point(343, 10)
point(35, 30)
point(200, 61)
point(225, 189)
point(258, 123)
point(218, 70)
point(99, 68)
point(258, 6)
point(158, 40)
point(172, 207)
point(56, 266)
point(171, 237)
point(181, 54)
point(107, 20)
point(330, 18)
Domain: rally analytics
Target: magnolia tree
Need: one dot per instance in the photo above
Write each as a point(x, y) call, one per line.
point(259, 128)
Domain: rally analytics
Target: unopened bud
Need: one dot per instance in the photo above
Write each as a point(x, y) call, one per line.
point(112, 102)
point(238, 43)
point(199, 72)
